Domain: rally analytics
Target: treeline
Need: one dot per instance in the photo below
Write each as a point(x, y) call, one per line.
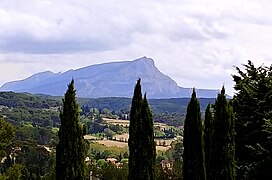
point(43, 110)
point(158, 106)
point(19, 100)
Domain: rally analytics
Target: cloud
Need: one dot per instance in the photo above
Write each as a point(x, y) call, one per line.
point(64, 26)
point(195, 42)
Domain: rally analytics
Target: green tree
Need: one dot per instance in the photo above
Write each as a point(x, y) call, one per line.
point(177, 150)
point(141, 138)
point(253, 114)
point(149, 151)
point(13, 173)
point(70, 154)
point(7, 133)
point(208, 139)
point(222, 155)
point(193, 155)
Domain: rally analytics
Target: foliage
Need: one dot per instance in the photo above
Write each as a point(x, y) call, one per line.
point(94, 128)
point(13, 173)
point(220, 147)
point(168, 111)
point(22, 100)
point(71, 153)
point(253, 114)
point(174, 172)
point(158, 106)
point(41, 135)
point(18, 108)
point(177, 151)
point(6, 135)
point(208, 139)
point(193, 155)
point(37, 116)
point(108, 171)
point(173, 119)
point(141, 138)
point(34, 158)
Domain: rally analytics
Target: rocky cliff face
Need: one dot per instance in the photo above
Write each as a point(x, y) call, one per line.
point(115, 79)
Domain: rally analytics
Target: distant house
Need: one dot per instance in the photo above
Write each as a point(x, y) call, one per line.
point(119, 165)
point(166, 164)
point(16, 149)
point(111, 160)
point(87, 159)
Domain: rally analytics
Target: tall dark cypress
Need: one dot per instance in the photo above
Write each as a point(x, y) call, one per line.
point(222, 162)
point(71, 151)
point(148, 140)
point(133, 141)
point(141, 138)
point(193, 155)
point(208, 139)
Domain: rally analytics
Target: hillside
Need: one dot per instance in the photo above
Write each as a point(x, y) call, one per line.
point(158, 106)
point(115, 79)
point(43, 110)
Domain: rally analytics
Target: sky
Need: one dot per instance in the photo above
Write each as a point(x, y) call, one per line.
point(197, 43)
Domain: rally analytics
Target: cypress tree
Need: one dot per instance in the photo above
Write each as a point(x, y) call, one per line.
point(193, 155)
point(70, 155)
point(141, 138)
point(222, 162)
point(208, 139)
point(148, 140)
point(133, 141)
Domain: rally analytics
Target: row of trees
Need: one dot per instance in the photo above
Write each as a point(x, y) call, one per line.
point(209, 148)
point(211, 157)
point(219, 140)
point(71, 150)
point(233, 147)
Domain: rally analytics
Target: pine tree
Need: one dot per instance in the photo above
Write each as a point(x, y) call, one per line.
point(252, 107)
point(71, 151)
point(208, 139)
point(222, 161)
point(193, 155)
point(141, 138)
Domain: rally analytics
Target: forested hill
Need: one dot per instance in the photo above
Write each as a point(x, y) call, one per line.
point(25, 100)
point(158, 106)
point(14, 100)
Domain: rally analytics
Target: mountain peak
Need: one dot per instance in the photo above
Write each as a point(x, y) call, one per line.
point(145, 60)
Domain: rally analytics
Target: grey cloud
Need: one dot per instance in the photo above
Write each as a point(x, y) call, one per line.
point(28, 44)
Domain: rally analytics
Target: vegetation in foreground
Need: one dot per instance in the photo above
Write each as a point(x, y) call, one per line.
point(28, 150)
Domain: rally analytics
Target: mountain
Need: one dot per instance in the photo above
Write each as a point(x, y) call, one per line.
point(116, 79)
